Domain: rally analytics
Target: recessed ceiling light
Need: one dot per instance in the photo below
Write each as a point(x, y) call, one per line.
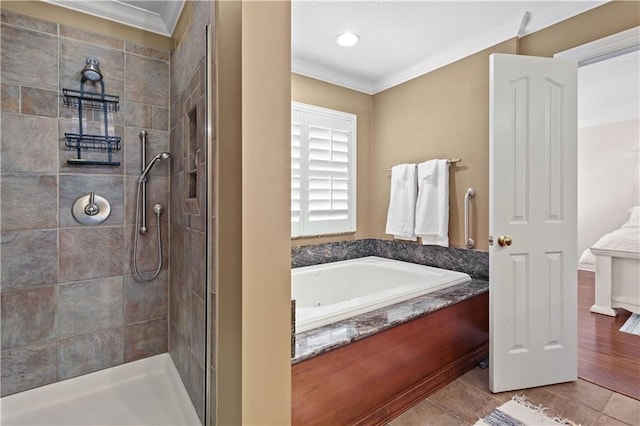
point(347, 39)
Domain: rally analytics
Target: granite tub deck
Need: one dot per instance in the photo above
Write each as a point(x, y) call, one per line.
point(370, 368)
point(315, 342)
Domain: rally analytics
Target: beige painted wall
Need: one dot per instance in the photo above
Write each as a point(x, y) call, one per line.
point(442, 114)
point(445, 114)
point(50, 12)
point(228, 212)
point(319, 93)
point(610, 18)
point(266, 255)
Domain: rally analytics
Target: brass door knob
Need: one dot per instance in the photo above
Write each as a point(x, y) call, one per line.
point(504, 240)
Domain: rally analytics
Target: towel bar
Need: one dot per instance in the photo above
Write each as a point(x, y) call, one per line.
point(452, 162)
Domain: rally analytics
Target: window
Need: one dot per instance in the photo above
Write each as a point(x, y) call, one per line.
point(323, 171)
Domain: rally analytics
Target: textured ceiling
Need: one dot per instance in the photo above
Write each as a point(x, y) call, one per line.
point(609, 91)
point(401, 40)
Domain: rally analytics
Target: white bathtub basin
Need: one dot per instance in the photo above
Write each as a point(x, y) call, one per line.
point(335, 291)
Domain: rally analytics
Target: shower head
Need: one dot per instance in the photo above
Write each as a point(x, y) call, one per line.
point(150, 164)
point(91, 70)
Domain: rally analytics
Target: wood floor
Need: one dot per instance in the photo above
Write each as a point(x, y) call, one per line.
point(606, 356)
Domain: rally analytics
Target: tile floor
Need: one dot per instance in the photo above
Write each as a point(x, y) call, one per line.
point(467, 399)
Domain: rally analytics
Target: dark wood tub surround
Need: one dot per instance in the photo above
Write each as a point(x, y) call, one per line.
point(372, 380)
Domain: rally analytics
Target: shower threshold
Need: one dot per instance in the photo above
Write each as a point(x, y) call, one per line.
point(144, 392)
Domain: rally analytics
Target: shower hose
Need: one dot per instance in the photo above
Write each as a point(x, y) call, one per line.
point(157, 211)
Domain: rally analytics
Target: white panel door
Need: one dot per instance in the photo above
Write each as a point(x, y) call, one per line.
point(532, 206)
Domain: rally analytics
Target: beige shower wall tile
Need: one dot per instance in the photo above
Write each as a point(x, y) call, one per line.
point(90, 306)
point(190, 52)
point(19, 20)
point(163, 55)
point(39, 102)
point(174, 342)
point(28, 201)
point(19, 249)
point(147, 254)
point(87, 253)
point(29, 58)
point(28, 367)
point(177, 147)
point(179, 215)
point(198, 220)
point(28, 316)
point(10, 97)
point(137, 115)
point(157, 142)
point(197, 338)
point(28, 144)
point(145, 339)
point(110, 188)
point(196, 253)
point(145, 301)
point(182, 295)
point(73, 56)
point(180, 353)
point(89, 352)
point(195, 385)
point(65, 153)
point(176, 110)
point(91, 37)
point(177, 259)
point(157, 193)
point(147, 81)
point(160, 118)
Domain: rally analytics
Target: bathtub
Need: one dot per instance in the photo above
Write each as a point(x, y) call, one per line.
point(339, 290)
point(144, 392)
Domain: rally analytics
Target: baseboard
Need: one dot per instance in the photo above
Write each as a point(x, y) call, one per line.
point(426, 387)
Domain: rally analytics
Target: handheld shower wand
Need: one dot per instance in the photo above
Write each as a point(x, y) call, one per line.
point(141, 202)
point(154, 160)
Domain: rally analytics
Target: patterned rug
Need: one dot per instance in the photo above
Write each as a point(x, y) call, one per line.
point(520, 412)
point(632, 325)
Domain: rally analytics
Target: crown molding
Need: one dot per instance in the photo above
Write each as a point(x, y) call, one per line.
point(329, 75)
point(162, 23)
point(536, 22)
point(605, 48)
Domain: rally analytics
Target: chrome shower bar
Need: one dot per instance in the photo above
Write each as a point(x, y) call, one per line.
point(143, 183)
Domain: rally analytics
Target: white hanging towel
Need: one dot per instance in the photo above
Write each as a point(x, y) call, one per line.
point(432, 206)
point(402, 202)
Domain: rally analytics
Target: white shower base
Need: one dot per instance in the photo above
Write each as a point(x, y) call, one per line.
point(144, 392)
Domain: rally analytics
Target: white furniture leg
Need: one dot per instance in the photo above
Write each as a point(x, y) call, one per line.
point(602, 303)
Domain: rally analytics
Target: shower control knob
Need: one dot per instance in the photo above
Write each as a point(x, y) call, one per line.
point(504, 240)
point(92, 210)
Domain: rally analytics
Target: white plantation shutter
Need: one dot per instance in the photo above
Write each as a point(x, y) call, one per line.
point(322, 171)
point(296, 128)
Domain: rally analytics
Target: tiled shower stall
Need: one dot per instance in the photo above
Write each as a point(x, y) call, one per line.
point(70, 305)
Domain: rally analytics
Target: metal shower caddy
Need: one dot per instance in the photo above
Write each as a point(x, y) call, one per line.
point(92, 101)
